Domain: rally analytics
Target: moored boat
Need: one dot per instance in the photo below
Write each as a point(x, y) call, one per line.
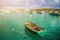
point(34, 28)
point(54, 13)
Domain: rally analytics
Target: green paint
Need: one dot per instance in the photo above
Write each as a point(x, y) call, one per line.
point(42, 33)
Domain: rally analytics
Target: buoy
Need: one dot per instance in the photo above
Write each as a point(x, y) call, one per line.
point(13, 29)
point(30, 16)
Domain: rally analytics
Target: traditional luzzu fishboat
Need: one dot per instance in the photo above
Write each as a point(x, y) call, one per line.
point(34, 28)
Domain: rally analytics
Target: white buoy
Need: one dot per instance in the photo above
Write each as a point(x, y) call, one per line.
point(30, 16)
point(13, 29)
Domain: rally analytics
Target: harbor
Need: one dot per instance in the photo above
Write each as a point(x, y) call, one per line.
point(12, 26)
point(29, 19)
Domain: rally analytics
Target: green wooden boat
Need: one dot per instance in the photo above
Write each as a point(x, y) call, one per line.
point(34, 28)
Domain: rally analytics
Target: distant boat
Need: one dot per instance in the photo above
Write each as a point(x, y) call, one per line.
point(54, 13)
point(39, 12)
point(34, 28)
point(31, 12)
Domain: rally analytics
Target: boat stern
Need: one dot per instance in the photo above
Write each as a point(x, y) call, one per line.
point(42, 33)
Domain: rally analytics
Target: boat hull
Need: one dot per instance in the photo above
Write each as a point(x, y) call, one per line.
point(35, 29)
point(54, 14)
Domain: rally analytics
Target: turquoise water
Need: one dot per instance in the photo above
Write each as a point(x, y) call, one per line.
point(12, 26)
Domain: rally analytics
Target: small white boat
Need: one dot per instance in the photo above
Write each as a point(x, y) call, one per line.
point(34, 28)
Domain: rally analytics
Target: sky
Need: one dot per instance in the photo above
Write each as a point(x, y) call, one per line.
point(29, 4)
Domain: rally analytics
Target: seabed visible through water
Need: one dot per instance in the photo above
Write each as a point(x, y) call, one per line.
point(12, 26)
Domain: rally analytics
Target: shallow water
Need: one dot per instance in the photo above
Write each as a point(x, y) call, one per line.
point(12, 26)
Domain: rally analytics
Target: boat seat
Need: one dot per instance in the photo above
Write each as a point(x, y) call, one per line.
point(36, 28)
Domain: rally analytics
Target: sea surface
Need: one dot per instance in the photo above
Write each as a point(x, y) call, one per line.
point(12, 26)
